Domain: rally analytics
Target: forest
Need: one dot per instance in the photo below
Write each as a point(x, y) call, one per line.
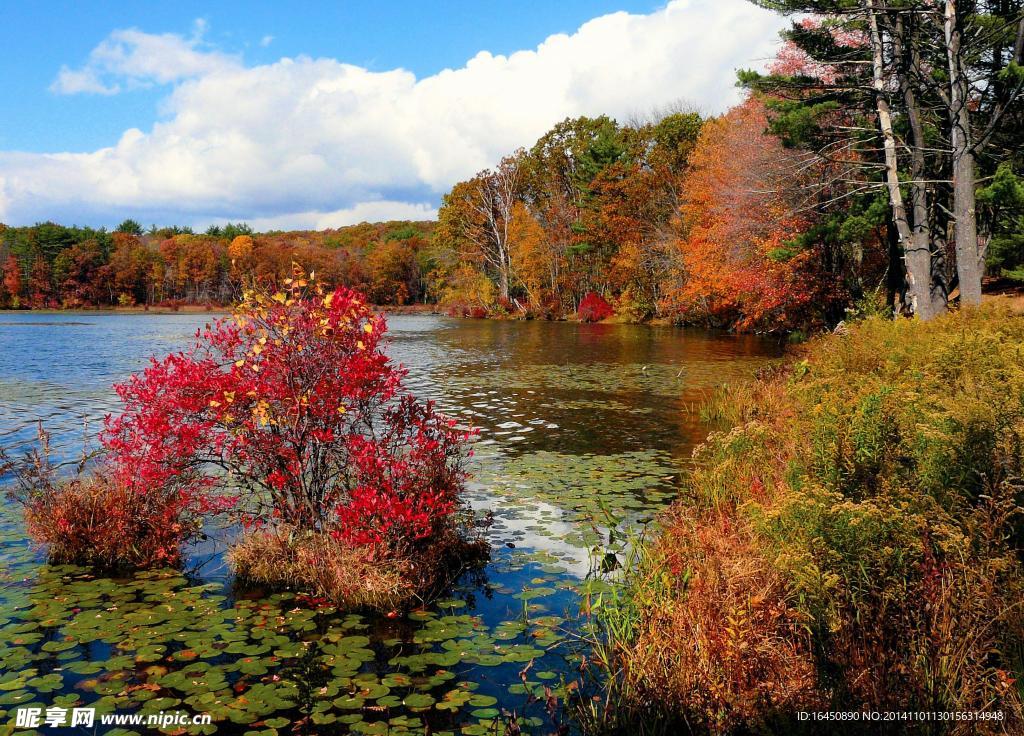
point(57, 267)
point(871, 165)
point(878, 158)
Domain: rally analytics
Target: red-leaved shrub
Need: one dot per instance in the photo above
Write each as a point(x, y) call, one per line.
point(594, 308)
point(291, 409)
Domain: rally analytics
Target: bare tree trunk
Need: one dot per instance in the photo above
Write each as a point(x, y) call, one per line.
point(918, 262)
point(896, 273)
point(908, 54)
point(497, 196)
point(968, 256)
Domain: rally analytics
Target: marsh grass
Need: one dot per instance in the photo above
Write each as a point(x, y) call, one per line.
point(90, 517)
point(854, 541)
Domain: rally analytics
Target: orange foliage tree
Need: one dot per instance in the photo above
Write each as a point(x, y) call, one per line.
point(12, 281)
point(530, 254)
point(739, 217)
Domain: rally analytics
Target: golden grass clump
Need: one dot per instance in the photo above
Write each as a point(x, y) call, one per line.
point(320, 565)
point(97, 521)
point(352, 577)
point(720, 645)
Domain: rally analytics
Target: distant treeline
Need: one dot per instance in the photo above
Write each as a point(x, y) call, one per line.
point(53, 266)
point(726, 221)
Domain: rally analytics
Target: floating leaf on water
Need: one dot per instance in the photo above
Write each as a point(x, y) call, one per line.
point(419, 700)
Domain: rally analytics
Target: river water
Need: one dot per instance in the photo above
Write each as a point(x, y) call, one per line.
point(575, 420)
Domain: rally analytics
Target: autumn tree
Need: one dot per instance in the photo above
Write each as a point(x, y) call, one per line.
point(636, 212)
point(738, 218)
point(241, 250)
point(493, 202)
point(12, 281)
point(530, 256)
point(195, 267)
point(393, 272)
point(922, 89)
point(560, 169)
point(80, 276)
point(129, 270)
point(475, 219)
point(40, 284)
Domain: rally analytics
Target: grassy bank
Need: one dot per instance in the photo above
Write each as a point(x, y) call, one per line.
point(853, 541)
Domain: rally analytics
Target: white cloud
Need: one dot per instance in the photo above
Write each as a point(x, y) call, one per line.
point(4, 201)
point(266, 40)
point(379, 211)
point(130, 58)
point(302, 141)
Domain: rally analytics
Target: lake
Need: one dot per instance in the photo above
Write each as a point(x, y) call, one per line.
point(574, 420)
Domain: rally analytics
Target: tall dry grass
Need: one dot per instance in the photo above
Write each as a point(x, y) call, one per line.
point(853, 541)
point(322, 565)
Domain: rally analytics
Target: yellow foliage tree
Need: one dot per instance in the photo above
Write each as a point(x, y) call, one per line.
point(529, 252)
point(468, 285)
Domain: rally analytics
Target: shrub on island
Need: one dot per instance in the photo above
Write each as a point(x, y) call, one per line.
point(289, 417)
point(103, 518)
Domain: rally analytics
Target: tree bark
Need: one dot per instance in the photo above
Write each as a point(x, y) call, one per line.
point(908, 54)
point(968, 256)
point(497, 195)
point(918, 262)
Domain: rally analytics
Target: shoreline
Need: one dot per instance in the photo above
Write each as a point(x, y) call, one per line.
point(1012, 297)
point(203, 309)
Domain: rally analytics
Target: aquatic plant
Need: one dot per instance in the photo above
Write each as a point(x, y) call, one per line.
point(311, 425)
point(290, 415)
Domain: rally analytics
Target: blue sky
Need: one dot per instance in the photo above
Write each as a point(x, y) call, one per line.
point(39, 37)
point(318, 114)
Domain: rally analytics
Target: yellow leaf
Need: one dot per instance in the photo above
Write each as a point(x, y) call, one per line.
point(367, 328)
point(214, 403)
point(360, 345)
point(279, 297)
point(342, 409)
point(328, 299)
point(239, 363)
